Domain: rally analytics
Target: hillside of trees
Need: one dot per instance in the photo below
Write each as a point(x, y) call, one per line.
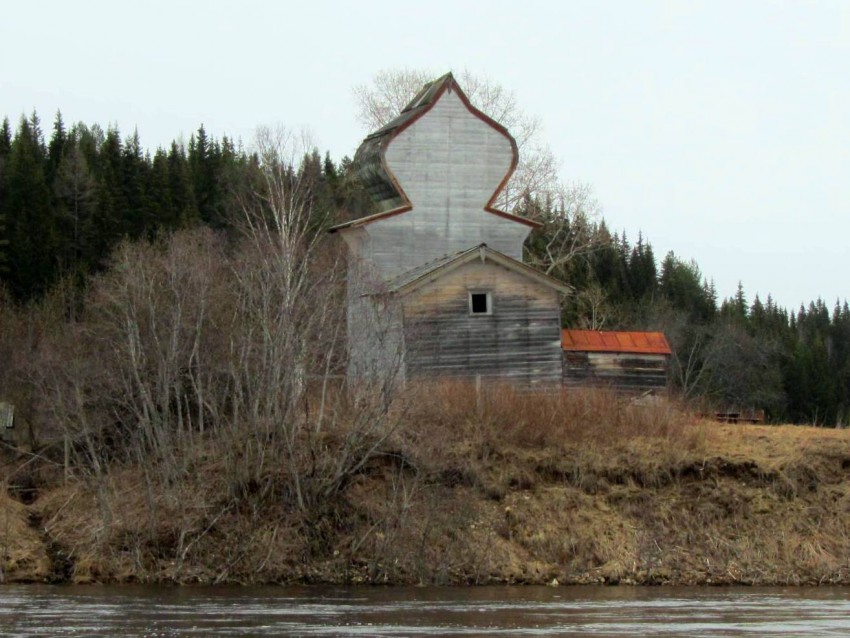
point(68, 198)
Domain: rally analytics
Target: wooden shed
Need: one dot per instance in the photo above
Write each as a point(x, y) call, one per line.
point(631, 361)
point(480, 313)
point(436, 283)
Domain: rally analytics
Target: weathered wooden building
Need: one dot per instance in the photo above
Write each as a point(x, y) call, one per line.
point(436, 283)
point(632, 361)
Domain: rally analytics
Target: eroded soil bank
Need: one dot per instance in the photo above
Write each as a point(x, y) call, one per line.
point(720, 504)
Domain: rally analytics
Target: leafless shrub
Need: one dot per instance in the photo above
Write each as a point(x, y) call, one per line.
point(196, 348)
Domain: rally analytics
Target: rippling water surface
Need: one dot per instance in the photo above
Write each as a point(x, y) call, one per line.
point(408, 611)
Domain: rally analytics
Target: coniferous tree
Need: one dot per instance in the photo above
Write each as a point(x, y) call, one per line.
point(5, 138)
point(56, 148)
point(735, 308)
point(31, 226)
point(204, 160)
point(163, 213)
point(133, 181)
point(181, 189)
point(111, 218)
point(74, 190)
point(5, 148)
point(330, 172)
point(680, 284)
point(643, 275)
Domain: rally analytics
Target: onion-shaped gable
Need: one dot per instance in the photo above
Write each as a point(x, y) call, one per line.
point(470, 153)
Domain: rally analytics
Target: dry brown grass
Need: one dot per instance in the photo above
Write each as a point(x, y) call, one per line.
point(23, 554)
point(512, 487)
point(502, 438)
point(502, 413)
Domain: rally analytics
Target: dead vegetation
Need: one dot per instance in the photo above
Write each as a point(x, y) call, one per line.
point(496, 486)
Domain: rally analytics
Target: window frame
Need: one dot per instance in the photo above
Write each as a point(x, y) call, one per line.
point(488, 300)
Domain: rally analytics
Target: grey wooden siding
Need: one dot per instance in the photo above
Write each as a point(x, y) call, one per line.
point(520, 340)
point(375, 336)
point(623, 371)
point(449, 164)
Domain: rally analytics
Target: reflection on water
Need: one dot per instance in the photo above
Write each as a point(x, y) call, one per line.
point(409, 611)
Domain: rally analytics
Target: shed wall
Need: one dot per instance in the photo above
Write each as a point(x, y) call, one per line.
point(520, 340)
point(636, 372)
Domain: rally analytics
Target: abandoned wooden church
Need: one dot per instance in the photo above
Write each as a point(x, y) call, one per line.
point(436, 281)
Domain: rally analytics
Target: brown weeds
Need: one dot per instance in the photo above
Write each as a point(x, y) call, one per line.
point(499, 417)
point(500, 485)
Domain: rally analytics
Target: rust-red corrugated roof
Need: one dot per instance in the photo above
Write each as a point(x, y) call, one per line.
point(599, 341)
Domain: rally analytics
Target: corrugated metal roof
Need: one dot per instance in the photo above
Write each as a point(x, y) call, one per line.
point(609, 341)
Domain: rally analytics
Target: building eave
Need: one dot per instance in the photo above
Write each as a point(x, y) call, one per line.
point(482, 252)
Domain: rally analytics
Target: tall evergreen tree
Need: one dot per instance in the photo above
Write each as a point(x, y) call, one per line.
point(134, 170)
point(643, 274)
point(164, 215)
point(75, 195)
point(31, 226)
point(181, 190)
point(111, 219)
point(680, 284)
point(5, 149)
point(5, 138)
point(204, 162)
point(56, 148)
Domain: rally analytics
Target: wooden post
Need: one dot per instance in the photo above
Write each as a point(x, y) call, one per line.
point(67, 445)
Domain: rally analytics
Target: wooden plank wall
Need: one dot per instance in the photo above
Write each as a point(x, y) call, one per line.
point(375, 335)
point(520, 340)
point(449, 163)
point(623, 371)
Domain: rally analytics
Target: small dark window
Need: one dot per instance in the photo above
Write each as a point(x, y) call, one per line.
point(479, 303)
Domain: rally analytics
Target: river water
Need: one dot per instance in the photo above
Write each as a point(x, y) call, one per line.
point(41, 610)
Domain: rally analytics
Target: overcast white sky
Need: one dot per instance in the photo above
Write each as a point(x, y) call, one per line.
point(720, 129)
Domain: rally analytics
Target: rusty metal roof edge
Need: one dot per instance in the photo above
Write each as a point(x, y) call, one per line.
point(585, 344)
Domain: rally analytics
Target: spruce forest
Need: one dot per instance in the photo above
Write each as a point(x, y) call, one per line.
point(71, 196)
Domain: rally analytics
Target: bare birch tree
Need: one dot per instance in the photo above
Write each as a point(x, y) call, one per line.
point(289, 296)
point(569, 229)
point(198, 349)
point(595, 308)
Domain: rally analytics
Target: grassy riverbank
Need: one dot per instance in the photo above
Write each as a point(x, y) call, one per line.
point(578, 488)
